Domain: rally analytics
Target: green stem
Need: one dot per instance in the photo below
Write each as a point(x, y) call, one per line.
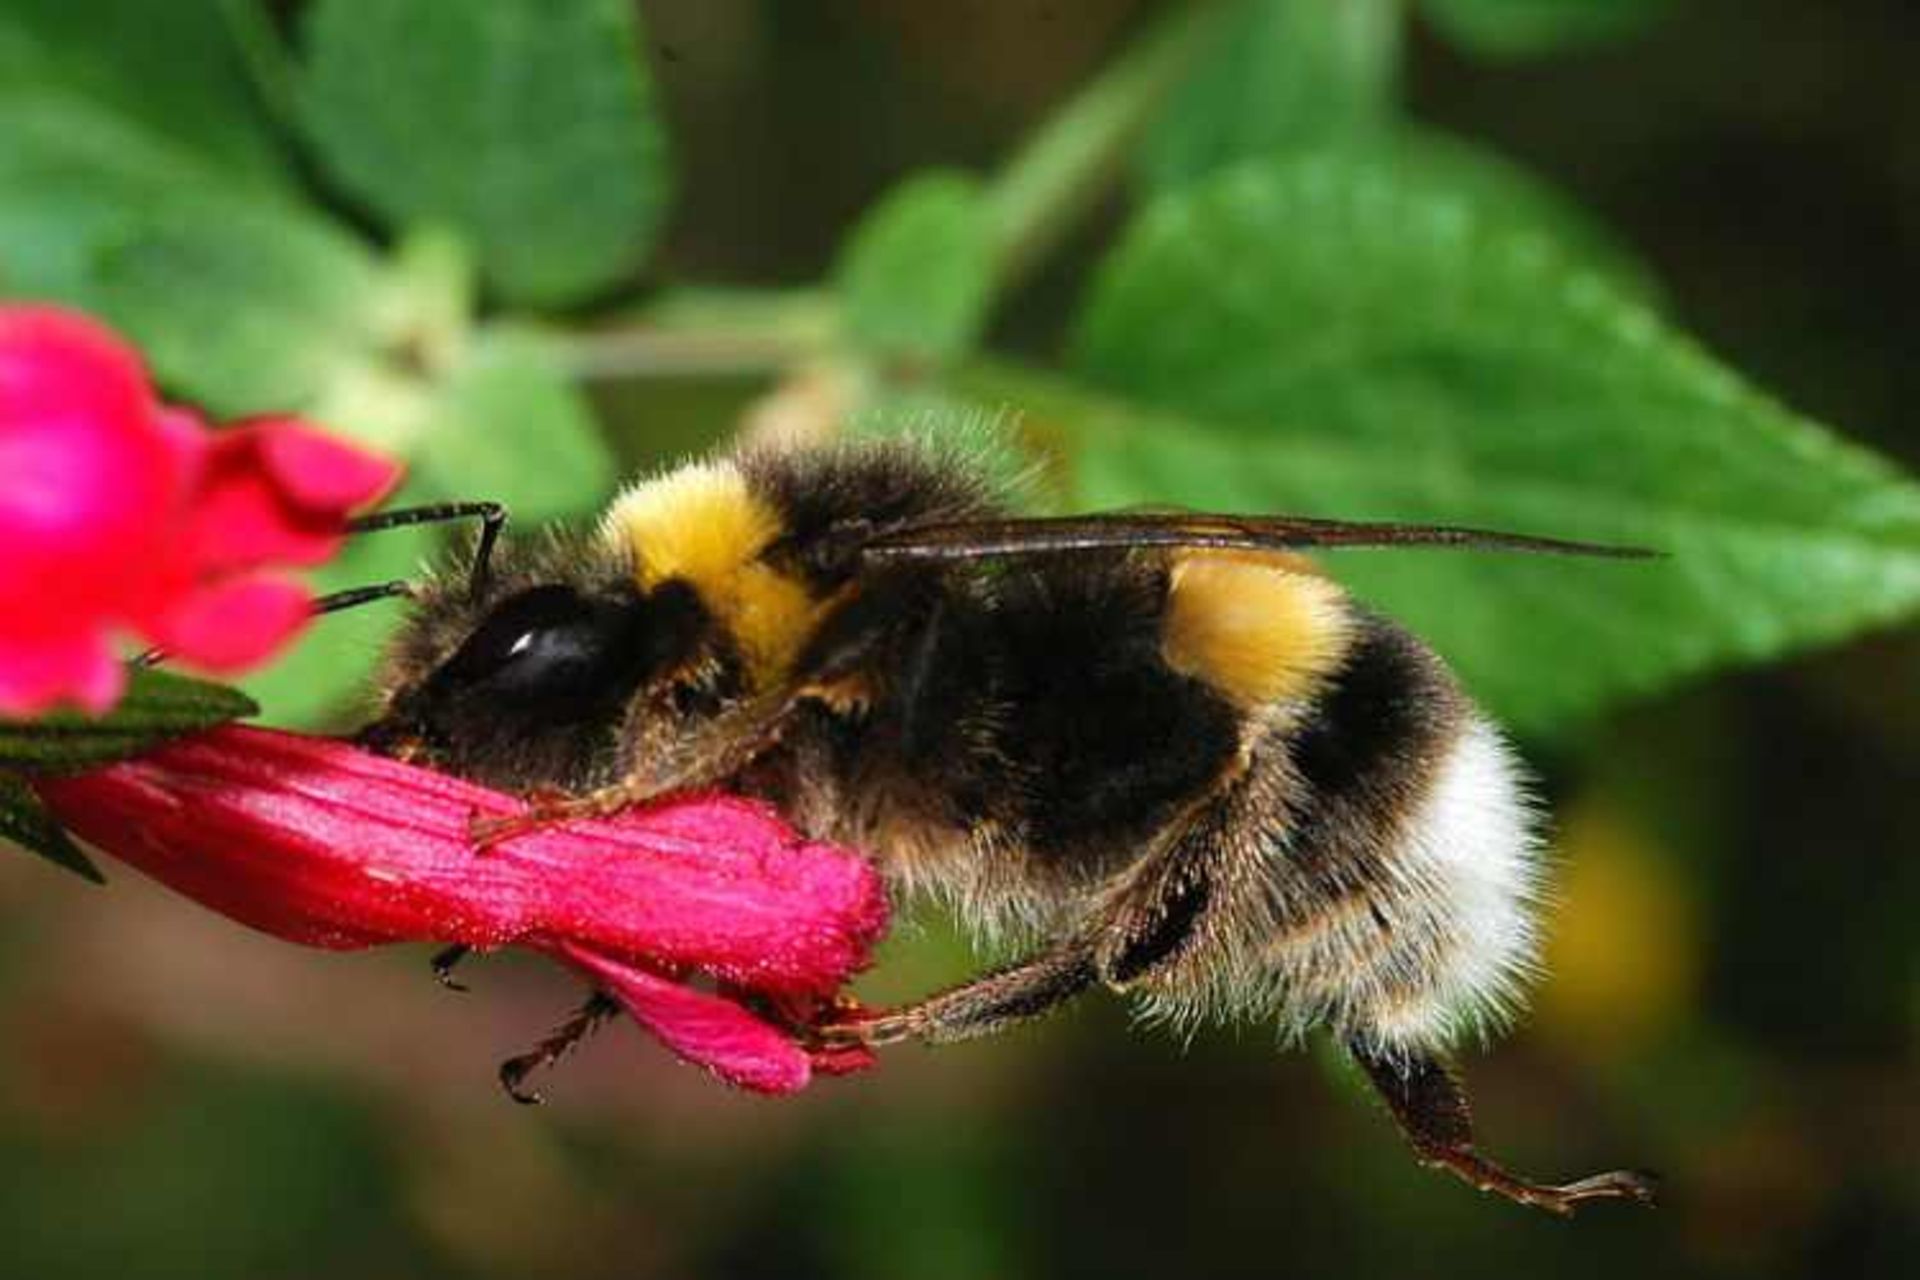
point(694, 333)
point(630, 355)
point(1068, 164)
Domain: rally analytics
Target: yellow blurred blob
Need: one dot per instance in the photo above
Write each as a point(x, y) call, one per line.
point(1622, 948)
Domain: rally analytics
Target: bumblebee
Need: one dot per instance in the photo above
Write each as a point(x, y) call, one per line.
point(1160, 752)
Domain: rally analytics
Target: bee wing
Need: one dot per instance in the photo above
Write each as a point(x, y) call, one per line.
point(1047, 535)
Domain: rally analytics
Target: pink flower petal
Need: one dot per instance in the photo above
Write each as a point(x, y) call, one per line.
point(186, 434)
point(319, 843)
point(118, 512)
point(351, 838)
point(241, 518)
point(53, 357)
point(705, 1029)
point(86, 481)
point(320, 473)
point(272, 492)
point(38, 673)
point(233, 625)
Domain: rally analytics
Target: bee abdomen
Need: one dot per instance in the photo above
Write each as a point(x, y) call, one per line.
point(1256, 629)
point(1462, 918)
point(1401, 864)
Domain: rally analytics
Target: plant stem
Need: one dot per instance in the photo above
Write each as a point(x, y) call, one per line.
point(695, 333)
point(627, 355)
point(1064, 169)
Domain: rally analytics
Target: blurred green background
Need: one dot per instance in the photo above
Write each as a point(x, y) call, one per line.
point(1735, 989)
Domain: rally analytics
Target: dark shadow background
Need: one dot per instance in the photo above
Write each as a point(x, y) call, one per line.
point(1736, 999)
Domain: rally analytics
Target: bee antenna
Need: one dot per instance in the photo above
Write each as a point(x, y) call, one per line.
point(491, 515)
point(354, 597)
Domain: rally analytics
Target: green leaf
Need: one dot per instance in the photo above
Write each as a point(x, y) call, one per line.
point(173, 67)
point(510, 427)
point(1522, 28)
point(245, 309)
point(1356, 342)
point(1276, 75)
point(527, 125)
point(158, 705)
point(1497, 188)
point(916, 275)
point(25, 821)
point(241, 301)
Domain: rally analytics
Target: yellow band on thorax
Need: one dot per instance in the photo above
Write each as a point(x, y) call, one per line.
point(703, 525)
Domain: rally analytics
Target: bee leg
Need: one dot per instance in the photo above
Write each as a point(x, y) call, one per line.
point(1431, 1110)
point(827, 672)
point(1185, 878)
point(445, 961)
point(564, 1039)
point(982, 1007)
point(1149, 929)
point(716, 753)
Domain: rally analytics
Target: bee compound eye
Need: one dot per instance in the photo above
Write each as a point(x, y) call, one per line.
point(514, 629)
point(548, 646)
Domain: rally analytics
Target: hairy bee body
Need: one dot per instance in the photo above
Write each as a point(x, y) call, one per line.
point(1360, 859)
point(1159, 751)
point(1237, 793)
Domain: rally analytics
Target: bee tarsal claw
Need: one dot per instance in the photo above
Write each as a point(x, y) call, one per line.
point(563, 1040)
point(513, 1076)
point(445, 961)
point(1618, 1184)
point(486, 832)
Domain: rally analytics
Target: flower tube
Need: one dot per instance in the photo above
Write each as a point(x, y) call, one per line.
point(320, 843)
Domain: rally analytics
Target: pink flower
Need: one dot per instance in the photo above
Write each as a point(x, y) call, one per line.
point(319, 843)
point(119, 513)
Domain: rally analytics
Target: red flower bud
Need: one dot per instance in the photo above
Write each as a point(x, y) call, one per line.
point(319, 843)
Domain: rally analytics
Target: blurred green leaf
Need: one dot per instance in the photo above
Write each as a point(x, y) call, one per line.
point(510, 427)
point(527, 125)
point(246, 309)
point(1278, 74)
point(241, 301)
point(1497, 188)
point(916, 275)
point(1337, 338)
point(157, 705)
point(25, 821)
point(1520, 28)
point(173, 67)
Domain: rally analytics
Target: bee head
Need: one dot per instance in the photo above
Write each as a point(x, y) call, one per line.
point(529, 682)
